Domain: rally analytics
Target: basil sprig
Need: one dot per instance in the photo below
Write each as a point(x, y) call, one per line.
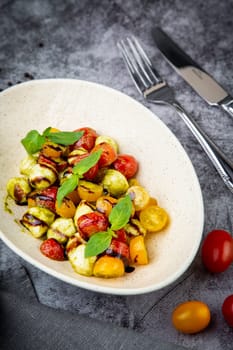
point(79, 169)
point(98, 243)
point(34, 141)
point(118, 218)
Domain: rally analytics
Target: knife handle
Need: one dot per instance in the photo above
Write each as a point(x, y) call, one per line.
point(227, 105)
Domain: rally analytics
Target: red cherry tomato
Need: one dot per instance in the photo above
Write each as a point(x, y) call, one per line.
point(126, 164)
point(217, 251)
point(119, 249)
point(121, 235)
point(44, 198)
point(50, 163)
point(227, 310)
point(108, 155)
point(90, 223)
point(52, 249)
point(87, 141)
point(92, 172)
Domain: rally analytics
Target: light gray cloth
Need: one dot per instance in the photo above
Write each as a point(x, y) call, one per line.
point(26, 324)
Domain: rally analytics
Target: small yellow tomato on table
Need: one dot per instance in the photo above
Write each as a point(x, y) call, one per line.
point(191, 317)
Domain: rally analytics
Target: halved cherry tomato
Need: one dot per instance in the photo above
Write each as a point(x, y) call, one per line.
point(191, 317)
point(121, 235)
point(92, 172)
point(153, 218)
point(89, 191)
point(50, 163)
point(108, 155)
point(227, 310)
point(153, 201)
point(109, 267)
point(66, 209)
point(105, 204)
point(126, 164)
point(74, 197)
point(217, 251)
point(90, 223)
point(52, 150)
point(139, 196)
point(87, 141)
point(119, 249)
point(138, 251)
point(52, 249)
point(44, 198)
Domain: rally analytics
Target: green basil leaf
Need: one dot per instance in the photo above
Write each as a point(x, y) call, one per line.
point(64, 138)
point(33, 141)
point(85, 164)
point(68, 186)
point(98, 243)
point(47, 131)
point(120, 213)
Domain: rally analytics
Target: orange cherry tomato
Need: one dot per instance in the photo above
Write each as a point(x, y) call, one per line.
point(152, 201)
point(138, 251)
point(87, 141)
point(53, 150)
point(104, 204)
point(74, 197)
point(108, 155)
point(191, 317)
point(109, 267)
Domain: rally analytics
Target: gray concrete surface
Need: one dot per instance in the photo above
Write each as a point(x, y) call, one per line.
point(77, 39)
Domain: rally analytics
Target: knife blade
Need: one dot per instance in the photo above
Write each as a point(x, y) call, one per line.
point(203, 83)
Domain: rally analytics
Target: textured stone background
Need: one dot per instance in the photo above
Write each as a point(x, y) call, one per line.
point(77, 39)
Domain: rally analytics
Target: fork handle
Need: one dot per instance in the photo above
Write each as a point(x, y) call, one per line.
point(216, 156)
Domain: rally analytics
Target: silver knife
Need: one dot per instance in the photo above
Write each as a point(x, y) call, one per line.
point(208, 88)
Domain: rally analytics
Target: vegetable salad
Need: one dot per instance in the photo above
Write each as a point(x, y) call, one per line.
point(84, 202)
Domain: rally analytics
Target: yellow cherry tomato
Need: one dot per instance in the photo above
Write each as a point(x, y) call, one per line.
point(191, 317)
point(133, 182)
point(139, 196)
point(109, 267)
point(138, 251)
point(66, 209)
point(104, 204)
point(89, 191)
point(153, 218)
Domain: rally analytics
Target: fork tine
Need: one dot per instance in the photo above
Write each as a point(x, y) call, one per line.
point(139, 61)
point(146, 62)
point(132, 66)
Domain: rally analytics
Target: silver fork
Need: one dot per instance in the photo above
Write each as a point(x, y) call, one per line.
point(156, 90)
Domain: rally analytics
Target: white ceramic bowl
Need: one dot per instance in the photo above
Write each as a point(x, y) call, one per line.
point(165, 170)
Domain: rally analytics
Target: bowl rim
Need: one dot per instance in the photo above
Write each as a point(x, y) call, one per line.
point(86, 285)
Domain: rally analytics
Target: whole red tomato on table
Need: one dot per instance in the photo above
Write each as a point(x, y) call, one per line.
point(227, 310)
point(217, 251)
